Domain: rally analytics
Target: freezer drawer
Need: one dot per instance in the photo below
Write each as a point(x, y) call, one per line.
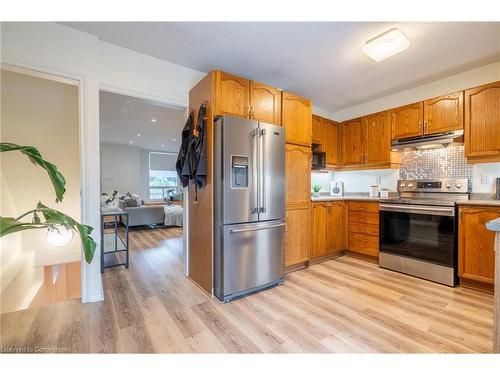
point(253, 257)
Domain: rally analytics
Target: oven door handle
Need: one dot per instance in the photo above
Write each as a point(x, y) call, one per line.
point(439, 211)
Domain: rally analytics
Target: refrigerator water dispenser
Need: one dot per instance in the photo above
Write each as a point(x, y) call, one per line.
point(239, 170)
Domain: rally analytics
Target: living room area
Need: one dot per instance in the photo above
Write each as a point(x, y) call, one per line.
point(139, 143)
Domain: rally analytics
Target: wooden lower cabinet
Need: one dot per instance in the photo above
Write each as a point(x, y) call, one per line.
point(476, 256)
point(363, 227)
point(328, 228)
point(298, 236)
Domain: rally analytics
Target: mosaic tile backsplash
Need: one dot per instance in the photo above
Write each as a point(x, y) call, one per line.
point(438, 163)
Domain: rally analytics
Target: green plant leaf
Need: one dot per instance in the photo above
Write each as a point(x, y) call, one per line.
point(34, 155)
point(56, 217)
point(9, 225)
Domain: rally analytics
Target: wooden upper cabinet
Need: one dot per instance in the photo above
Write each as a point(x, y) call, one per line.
point(482, 122)
point(232, 95)
point(377, 138)
point(297, 119)
point(317, 130)
point(331, 142)
point(476, 257)
point(265, 103)
point(407, 121)
point(444, 113)
point(352, 142)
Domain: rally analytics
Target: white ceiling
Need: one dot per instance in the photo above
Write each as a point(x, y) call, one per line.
point(322, 61)
point(122, 118)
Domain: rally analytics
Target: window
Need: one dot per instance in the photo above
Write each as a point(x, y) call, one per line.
point(163, 177)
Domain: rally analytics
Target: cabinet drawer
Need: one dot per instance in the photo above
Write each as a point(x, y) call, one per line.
point(364, 244)
point(363, 206)
point(363, 218)
point(363, 228)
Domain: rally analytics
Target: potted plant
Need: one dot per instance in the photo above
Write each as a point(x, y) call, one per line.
point(54, 221)
point(316, 189)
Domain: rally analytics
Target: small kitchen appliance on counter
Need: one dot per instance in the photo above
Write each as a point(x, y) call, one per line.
point(336, 188)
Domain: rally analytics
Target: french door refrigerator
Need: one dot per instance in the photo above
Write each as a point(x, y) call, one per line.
point(249, 206)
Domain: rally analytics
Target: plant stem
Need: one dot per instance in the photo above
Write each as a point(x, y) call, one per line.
point(26, 214)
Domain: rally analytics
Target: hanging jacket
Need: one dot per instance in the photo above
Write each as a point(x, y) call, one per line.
point(199, 151)
point(183, 167)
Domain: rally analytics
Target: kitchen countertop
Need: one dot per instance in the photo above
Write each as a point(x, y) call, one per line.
point(479, 201)
point(353, 197)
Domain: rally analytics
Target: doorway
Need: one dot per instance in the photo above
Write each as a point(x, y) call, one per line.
point(142, 202)
point(42, 111)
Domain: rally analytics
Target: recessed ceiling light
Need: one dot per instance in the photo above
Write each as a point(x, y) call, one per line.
point(153, 120)
point(162, 145)
point(174, 139)
point(386, 44)
point(138, 135)
point(130, 142)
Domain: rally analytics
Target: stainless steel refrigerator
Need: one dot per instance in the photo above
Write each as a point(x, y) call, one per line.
point(249, 206)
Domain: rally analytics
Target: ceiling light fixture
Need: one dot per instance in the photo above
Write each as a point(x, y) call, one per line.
point(130, 142)
point(138, 135)
point(162, 145)
point(386, 45)
point(174, 139)
point(59, 235)
point(153, 120)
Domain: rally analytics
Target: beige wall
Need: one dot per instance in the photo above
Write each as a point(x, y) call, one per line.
point(468, 79)
point(43, 114)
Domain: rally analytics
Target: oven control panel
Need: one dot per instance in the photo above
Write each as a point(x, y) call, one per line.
point(437, 186)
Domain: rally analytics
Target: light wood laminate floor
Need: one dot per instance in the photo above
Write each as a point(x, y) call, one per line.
point(342, 305)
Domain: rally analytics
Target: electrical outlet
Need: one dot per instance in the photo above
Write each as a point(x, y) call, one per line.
point(485, 179)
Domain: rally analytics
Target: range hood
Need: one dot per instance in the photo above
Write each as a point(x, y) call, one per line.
point(426, 142)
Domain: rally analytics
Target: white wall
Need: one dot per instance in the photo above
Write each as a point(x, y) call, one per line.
point(120, 168)
point(357, 181)
point(54, 48)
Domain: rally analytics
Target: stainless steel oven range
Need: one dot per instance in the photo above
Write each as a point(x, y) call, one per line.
point(418, 230)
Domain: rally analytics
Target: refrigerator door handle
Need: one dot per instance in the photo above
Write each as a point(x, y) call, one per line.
point(255, 175)
point(262, 157)
point(257, 228)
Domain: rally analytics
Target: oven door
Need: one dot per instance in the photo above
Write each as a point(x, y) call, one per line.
point(425, 233)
